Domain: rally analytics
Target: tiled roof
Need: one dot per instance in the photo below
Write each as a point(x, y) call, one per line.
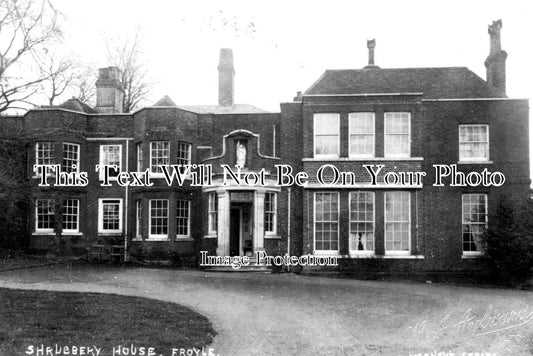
point(447, 82)
point(77, 105)
point(165, 101)
point(215, 109)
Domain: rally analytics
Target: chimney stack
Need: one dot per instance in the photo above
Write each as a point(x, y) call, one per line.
point(495, 62)
point(226, 74)
point(371, 44)
point(109, 91)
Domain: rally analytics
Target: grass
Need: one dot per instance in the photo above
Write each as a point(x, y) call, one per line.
point(30, 317)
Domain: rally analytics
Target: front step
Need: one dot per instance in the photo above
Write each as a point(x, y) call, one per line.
point(252, 267)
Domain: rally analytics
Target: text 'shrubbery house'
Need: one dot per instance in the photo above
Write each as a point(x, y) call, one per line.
point(402, 120)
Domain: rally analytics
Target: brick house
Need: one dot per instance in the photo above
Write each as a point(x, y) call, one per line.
point(402, 120)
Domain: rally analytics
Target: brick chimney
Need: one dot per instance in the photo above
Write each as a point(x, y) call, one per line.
point(371, 44)
point(495, 62)
point(226, 74)
point(109, 91)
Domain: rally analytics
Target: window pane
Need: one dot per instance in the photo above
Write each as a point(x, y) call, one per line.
point(326, 134)
point(362, 221)
point(397, 221)
point(70, 214)
point(71, 156)
point(160, 155)
point(158, 217)
point(397, 134)
point(326, 221)
point(474, 211)
point(474, 142)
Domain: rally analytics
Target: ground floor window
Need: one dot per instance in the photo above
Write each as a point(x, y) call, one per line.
point(138, 218)
point(474, 212)
point(110, 216)
point(158, 218)
point(397, 222)
point(44, 215)
point(362, 221)
point(326, 221)
point(213, 213)
point(270, 212)
point(183, 213)
point(71, 215)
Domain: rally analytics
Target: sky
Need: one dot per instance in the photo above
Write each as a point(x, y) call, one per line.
point(281, 47)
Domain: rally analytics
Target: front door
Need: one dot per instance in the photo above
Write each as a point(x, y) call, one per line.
point(235, 232)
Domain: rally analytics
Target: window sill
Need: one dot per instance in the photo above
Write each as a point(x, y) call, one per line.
point(468, 256)
point(272, 236)
point(361, 254)
point(327, 254)
point(410, 257)
point(137, 239)
point(475, 162)
point(110, 233)
point(157, 239)
point(319, 159)
point(43, 233)
point(211, 236)
point(184, 238)
point(72, 233)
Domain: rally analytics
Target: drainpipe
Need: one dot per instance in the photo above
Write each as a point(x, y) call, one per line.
point(126, 207)
point(288, 224)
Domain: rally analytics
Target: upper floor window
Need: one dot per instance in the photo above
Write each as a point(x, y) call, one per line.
point(71, 215)
point(397, 134)
point(184, 153)
point(110, 215)
point(44, 152)
point(326, 135)
point(270, 212)
point(473, 142)
point(213, 213)
point(183, 222)
point(71, 157)
point(44, 215)
point(110, 155)
point(474, 214)
point(362, 222)
point(159, 155)
point(362, 132)
point(140, 161)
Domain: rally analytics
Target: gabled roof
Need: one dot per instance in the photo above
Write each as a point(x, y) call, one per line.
point(165, 101)
point(75, 104)
point(435, 83)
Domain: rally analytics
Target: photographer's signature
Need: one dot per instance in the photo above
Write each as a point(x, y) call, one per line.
point(470, 324)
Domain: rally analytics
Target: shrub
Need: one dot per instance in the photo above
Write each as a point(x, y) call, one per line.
point(509, 241)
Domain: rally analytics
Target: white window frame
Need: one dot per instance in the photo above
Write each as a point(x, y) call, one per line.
point(140, 160)
point(153, 166)
point(77, 215)
point(385, 221)
point(104, 158)
point(101, 203)
point(44, 230)
point(351, 133)
point(188, 217)
point(158, 236)
point(273, 213)
point(463, 222)
point(385, 135)
point(38, 149)
point(373, 221)
point(474, 159)
point(315, 135)
point(315, 221)
point(138, 218)
point(75, 161)
point(212, 213)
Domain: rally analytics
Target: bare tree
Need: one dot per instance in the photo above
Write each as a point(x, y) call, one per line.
point(25, 26)
point(84, 87)
point(60, 76)
point(126, 55)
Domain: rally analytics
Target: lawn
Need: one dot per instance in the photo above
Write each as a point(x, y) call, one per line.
point(30, 318)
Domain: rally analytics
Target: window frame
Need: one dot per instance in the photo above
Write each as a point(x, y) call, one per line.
point(167, 218)
point(68, 159)
point(373, 221)
point(101, 230)
point(49, 230)
point(474, 159)
point(138, 218)
point(326, 252)
point(338, 148)
point(385, 135)
point(273, 213)
point(101, 161)
point(385, 221)
point(350, 134)
point(463, 223)
point(152, 166)
point(140, 159)
point(77, 215)
point(212, 211)
point(188, 217)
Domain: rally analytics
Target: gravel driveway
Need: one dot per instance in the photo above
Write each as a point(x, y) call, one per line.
point(266, 314)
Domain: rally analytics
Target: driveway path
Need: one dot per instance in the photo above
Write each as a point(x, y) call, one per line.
point(265, 314)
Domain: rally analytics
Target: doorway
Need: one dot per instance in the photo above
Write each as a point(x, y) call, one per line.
point(241, 241)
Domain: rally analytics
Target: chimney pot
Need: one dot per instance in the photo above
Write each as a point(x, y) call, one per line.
point(109, 91)
point(371, 44)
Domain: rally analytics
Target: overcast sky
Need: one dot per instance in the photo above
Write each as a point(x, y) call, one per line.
point(281, 47)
